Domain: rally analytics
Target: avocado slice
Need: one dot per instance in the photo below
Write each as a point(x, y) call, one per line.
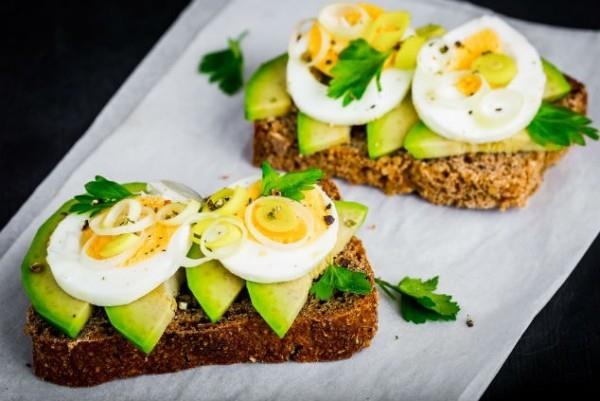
point(63, 311)
point(144, 321)
point(422, 143)
point(314, 136)
point(266, 92)
point(59, 308)
point(557, 85)
point(213, 286)
point(280, 303)
point(352, 215)
point(386, 133)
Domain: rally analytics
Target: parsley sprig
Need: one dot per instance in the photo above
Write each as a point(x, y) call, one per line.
point(289, 185)
point(100, 194)
point(341, 279)
point(418, 302)
point(226, 66)
point(558, 125)
point(357, 65)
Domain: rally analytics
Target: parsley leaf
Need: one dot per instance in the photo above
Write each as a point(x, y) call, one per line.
point(558, 125)
point(291, 184)
point(101, 194)
point(413, 312)
point(418, 302)
point(357, 65)
point(226, 66)
point(341, 279)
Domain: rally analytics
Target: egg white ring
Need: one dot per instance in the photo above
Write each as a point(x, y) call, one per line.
point(262, 264)
point(310, 95)
point(529, 82)
point(109, 286)
point(173, 191)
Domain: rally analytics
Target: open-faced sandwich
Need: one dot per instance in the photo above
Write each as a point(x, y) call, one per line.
point(150, 278)
point(469, 118)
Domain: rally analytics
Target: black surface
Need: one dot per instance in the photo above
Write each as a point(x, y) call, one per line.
point(62, 61)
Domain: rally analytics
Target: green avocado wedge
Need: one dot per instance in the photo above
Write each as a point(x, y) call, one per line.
point(314, 136)
point(66, 313)
point(557, 85)
point(386, 133)
point(422, 143)
point(279, 303)
point(266, 92)
point(213, 286)
point(144, 321)
point(352, 215)
point(59, 308)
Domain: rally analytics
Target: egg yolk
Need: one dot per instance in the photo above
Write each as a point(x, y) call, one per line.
point(314, 46)
point(279, 222)
point(469, 84)
point(352, 16)
point(156, 238)
point(317, 207)
point(371, 9)
point(471, 48)
point(254, 190)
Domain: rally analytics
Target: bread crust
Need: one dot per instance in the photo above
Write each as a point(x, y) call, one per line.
point(323, 331)
point(477, 181)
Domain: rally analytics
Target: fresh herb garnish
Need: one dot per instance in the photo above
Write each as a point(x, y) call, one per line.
point(341, 279)
point(357, 65)
point(558, 125)
point(418, 302)
point(100, 194)
point(226, 66)
point(289, 185)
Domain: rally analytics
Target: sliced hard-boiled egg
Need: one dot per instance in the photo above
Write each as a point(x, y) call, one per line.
point(126, 251)
point(285, 238)
point(314, 50)
point(481, 82)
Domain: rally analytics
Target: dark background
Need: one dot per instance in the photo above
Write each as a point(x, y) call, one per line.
point(61, 61)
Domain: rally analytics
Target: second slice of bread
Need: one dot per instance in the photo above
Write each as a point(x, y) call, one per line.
point(475, 180)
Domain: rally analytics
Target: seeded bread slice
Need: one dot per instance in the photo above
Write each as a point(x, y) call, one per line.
point(477, 181)
point(323, 331)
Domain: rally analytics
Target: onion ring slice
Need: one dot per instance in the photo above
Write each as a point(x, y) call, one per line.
point(116, 260)
point(146, 219)
point(301, 211)
point(184, 213)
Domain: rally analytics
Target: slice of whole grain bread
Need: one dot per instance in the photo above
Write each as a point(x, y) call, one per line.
point(323, 331)
point(478, 181)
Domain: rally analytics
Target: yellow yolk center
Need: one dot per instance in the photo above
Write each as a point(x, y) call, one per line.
point(352, 16)
point(277, 223)
point(276, 220)
point(371, 9)
point(155, 239)
point(469, 84)
point(484, 41)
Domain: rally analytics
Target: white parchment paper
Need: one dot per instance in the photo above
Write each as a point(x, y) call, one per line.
point(168, 122)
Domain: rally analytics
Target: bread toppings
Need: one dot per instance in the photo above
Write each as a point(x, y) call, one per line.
point(122, 247)
point(482, 87)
